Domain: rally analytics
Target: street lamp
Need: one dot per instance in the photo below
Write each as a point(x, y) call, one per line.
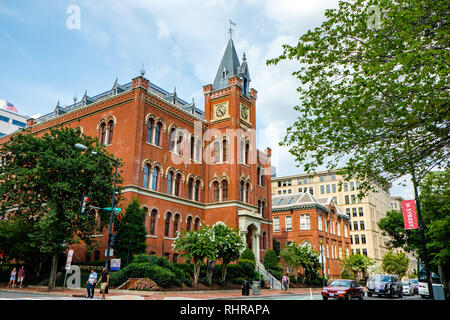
point(323, 267)
point(83, 147)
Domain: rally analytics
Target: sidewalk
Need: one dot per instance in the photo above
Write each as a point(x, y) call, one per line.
point(158, 295)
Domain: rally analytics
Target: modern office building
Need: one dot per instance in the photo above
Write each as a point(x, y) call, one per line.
point(10, 122)
point(365, 236)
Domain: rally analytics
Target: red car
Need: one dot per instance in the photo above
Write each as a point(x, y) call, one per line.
point(343, 289)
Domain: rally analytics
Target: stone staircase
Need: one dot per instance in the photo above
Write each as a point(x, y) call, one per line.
point(271, 280)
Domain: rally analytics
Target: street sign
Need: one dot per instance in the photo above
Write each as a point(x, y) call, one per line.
point(115, 264)
point(111, 252)
point(69, 259)
point(115, 209)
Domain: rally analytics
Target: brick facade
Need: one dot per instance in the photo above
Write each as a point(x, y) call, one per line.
point(229, 190)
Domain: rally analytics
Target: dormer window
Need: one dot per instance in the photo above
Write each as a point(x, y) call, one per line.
point(224, 73)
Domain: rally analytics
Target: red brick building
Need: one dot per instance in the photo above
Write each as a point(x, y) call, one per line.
point(318, 223)
point(185, 166)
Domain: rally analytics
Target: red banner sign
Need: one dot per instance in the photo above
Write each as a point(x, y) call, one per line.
point(409, 214)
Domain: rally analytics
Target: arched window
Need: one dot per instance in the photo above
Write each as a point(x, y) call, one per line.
point(216, 152)
point(102, 136)
point(176, 223)
point(242, 151)
point(155, 178)
point(216, 191)
point(180, 143)
point(192, 147)
point(263, 209)
point(199, 150)
point(246, 190)
point(170, 182)
point(259, 206)
point(224, 150)
point(247, 150)
point(151, 230)
point(196, 223)
point(167, 224)
point(191, 188)
point(189, 223)
point(150, 130)
point(146, 176)
point(110, 131)
point(197, 191)
point(241, 191)
point(158, 133)
point(172, 139)
point(224, 190)
point(264, 240)
point(178, 185)
point(258, 176)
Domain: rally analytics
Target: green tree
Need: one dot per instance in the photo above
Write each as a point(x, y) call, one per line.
point(131, 233)
point(248, 254)
point(435, 207)
point(270, 260)
point(395, 263)
point(373, 97)
point(357, 263)
point(297, 256)
point(49, 177)
point(229, 246)
point(197, 245)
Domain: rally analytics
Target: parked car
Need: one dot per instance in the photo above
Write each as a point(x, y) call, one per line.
point(343, 289)
point(407, 288)
point(415, 284)
point(384, 285)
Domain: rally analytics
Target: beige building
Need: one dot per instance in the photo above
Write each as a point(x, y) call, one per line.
point(396, 203)
point(366, 237)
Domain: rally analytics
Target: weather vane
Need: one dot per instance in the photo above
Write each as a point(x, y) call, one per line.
point(230, 31)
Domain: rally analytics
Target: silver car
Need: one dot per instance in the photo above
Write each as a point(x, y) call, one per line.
point(408, 289)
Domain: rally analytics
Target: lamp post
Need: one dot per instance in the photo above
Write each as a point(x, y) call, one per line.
point(83, 147)
point(323, 267)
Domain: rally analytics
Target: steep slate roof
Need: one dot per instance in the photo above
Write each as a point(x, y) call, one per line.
point(301, 201)
point(117, 89)
point(230, 64)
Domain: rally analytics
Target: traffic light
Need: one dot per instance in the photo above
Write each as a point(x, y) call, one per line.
point(85, 204)
point(116, 223)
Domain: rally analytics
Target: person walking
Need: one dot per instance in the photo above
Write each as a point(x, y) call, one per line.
point(285, 280)
point(91, 282)
point(104, 282)
point(12, 278)
point(21, 276)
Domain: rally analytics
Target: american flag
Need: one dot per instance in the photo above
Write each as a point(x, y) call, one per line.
point(10, 106)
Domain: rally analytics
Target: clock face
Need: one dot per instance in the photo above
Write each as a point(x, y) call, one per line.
point(244, 113)
point(221, 111)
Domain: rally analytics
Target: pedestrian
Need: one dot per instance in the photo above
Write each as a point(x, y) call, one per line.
point(12, 278)
point(285, 281)
point(21, 276)
point(104, 282)
point(91, 283)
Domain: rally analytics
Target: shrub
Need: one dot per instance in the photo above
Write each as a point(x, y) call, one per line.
point(163, 277)
point(248, 254)
point(144, 284)
point(247, 268)
point(270, 260)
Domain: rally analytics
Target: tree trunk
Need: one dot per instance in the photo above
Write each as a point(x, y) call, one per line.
point(52, 281)
point(209, 272)
point(224, 271)
point(197, 265)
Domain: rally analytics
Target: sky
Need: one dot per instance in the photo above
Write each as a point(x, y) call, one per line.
point(51, 51)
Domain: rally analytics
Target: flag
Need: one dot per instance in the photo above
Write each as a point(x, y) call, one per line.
point(10, 107)
point(409, 214)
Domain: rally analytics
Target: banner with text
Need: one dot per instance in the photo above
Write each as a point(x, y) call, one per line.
point(409, 214)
